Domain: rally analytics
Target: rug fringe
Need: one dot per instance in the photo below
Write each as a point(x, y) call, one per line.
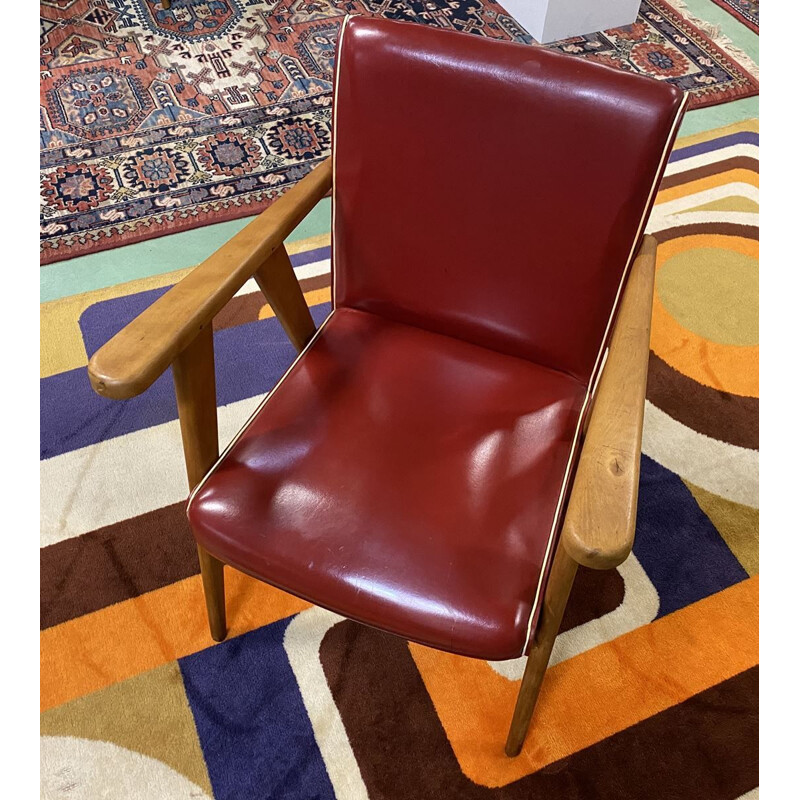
point(718, 37)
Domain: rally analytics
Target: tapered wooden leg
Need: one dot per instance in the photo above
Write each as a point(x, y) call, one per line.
point(559, 585)
point(214, 589)
point(196, 393)
point(165, 3)
point(279, 284)
point(195, 390)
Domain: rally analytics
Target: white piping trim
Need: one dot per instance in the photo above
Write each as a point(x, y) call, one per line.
point(595, 376)
point(256, 412)
point(640, 230)
point(335, 143)
point(602, 367)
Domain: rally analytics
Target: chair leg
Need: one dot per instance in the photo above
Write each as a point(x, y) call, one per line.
point(165, 4)
point(195, 391)
point(214, 589)
point(559, 585)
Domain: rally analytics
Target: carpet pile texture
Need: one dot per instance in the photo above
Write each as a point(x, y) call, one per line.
point(652, 690)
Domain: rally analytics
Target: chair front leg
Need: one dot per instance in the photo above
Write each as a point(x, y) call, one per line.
point(214, 589)
point(559, 585)
point(195, 390)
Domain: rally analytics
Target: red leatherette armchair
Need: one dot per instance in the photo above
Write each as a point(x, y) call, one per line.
point(442, 454)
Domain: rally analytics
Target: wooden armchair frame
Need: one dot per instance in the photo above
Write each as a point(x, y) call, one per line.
point(176, 330)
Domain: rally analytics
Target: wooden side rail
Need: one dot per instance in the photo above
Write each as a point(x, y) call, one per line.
point(130, 362)
point(601, 516)
point(600, 521)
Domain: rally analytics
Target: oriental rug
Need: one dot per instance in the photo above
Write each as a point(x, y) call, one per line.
point(653, 685)
point(155, 121)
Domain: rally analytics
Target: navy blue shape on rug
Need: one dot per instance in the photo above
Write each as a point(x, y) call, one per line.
point(253, 727)
point(676, 543)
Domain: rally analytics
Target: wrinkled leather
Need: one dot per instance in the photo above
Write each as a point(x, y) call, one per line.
point(406, 472)
point(396, 477)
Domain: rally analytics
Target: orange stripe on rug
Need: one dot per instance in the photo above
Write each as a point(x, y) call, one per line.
point(126, 639)
point(596, 694)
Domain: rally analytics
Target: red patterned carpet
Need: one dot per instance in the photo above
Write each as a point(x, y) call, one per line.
point(155, 121)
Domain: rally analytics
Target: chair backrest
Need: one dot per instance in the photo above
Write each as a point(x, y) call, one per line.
point(491, 191)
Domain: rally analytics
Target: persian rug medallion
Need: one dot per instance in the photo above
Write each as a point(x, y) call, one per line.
point(158, 120)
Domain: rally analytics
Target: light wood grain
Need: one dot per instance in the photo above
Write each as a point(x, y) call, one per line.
point(141, 351)
point(559, 586)
point(601, 516)
point(280, 286)
point(196, 393)
point(195, 390)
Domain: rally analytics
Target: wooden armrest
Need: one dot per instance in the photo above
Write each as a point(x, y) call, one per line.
point(130, 362)
point(601, 517)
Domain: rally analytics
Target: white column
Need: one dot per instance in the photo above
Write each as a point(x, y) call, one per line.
point(551, 20)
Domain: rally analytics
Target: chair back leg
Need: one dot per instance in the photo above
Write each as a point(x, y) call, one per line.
point(559, 585)
point(279, 285)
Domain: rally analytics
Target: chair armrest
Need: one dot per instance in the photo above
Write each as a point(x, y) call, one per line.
point(600, 521)
point(130, 362)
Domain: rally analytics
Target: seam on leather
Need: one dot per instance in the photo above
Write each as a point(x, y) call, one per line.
point(552, 370)
point(256, 412)
point(594, 377)
point(561, 372)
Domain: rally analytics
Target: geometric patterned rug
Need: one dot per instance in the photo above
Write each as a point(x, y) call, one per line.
point(155, 121)
point(652, 689)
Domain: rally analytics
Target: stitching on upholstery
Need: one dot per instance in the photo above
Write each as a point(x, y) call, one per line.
point(256, 412)
point(595, 375)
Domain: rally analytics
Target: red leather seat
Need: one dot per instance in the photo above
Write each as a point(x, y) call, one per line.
point(410, 471)
point(402, 478)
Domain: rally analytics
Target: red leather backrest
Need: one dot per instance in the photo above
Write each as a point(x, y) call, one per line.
point(491, 191)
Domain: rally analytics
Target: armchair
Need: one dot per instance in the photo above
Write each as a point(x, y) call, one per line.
point(464, 429)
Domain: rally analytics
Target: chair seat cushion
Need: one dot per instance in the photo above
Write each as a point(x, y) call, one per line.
point(402, 478)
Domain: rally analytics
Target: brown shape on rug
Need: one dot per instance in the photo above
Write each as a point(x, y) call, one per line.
point(721, 228)
point(704, 747)
point(724, 416)
point(714, 168)
point(148, 714)
point(595, 593)
point(115, 563)
point(737, 524)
